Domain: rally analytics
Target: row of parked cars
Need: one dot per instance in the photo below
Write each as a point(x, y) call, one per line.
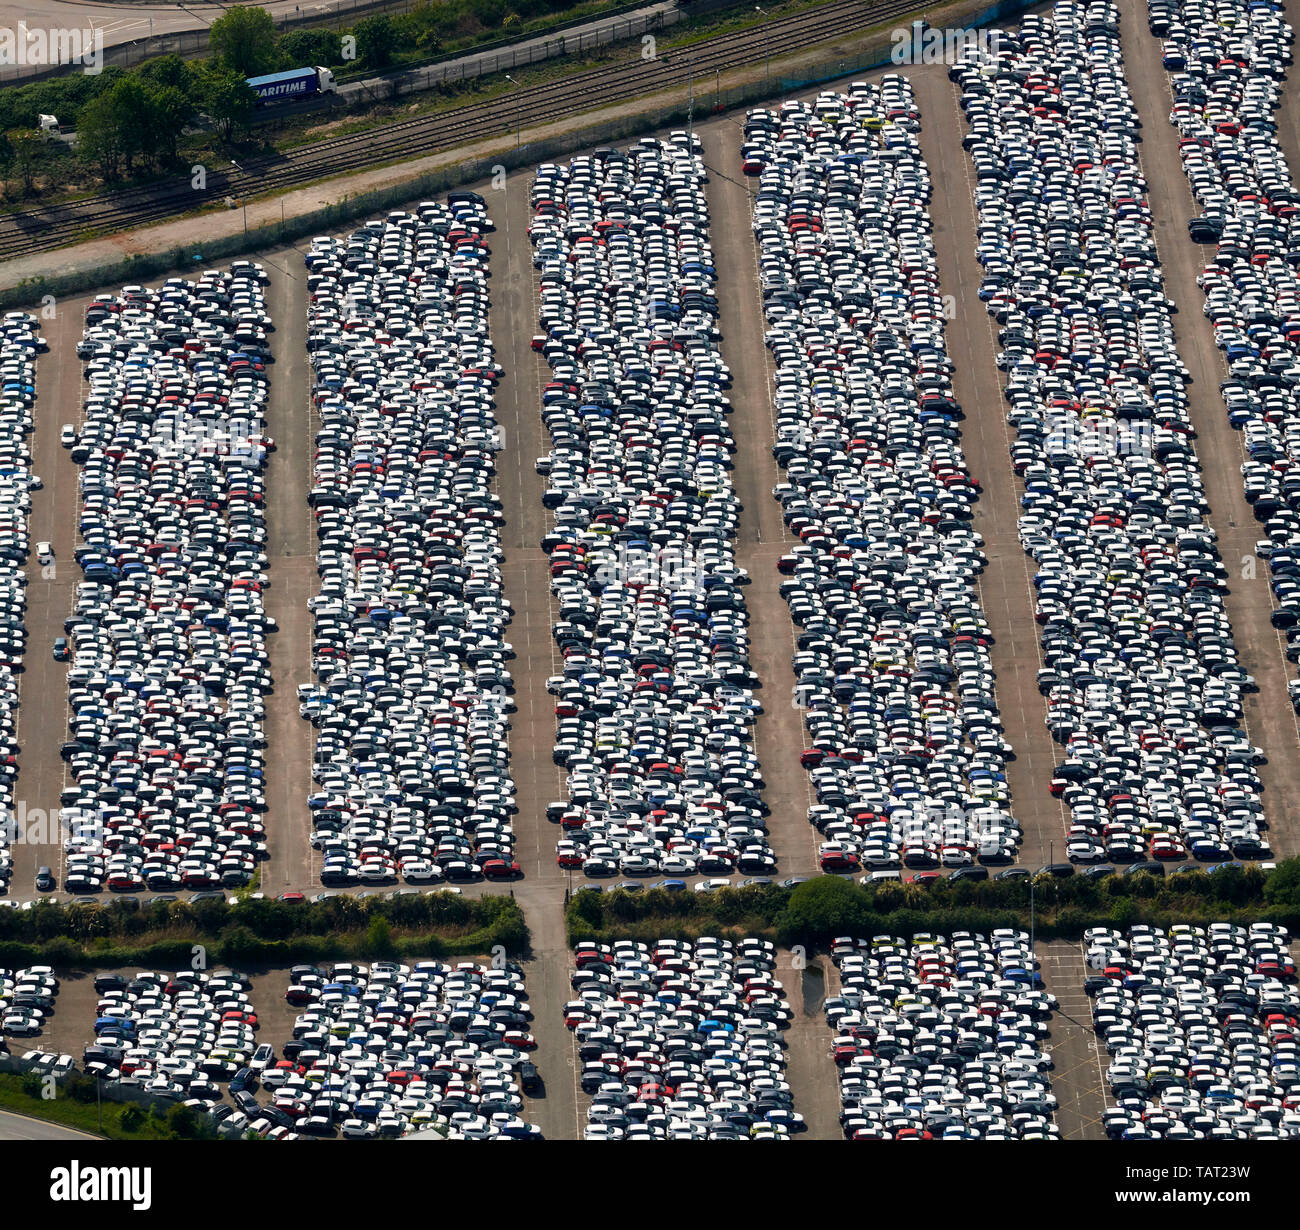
point(1140, 671)
point(390, 1049)
point(905, 753)
point(942, 1038)
point(1227, 61)
point(26, 1000)
point(655, 700)
point(169, 668)
point(1200, 1024)
point(380, 1050)
point(413, 690)
point(20, 343)
point(681, 1040)
point(181, 1037)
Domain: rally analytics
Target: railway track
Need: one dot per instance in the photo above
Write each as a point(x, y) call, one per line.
point(106, 212)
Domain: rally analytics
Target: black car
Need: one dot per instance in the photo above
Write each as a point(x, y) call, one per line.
point(529, 1078)
point(1150, 866)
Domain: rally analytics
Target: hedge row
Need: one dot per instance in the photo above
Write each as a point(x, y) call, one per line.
point(261, 932)
point(814, 912)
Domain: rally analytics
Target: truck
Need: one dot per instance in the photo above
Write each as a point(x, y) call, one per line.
point(51, 130)
point(292, 83)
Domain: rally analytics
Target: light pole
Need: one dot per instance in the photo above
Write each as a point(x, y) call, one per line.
point(767, 48)
point(1031, 916)
point(243, 199)
point(690, 105)
point(509, 78)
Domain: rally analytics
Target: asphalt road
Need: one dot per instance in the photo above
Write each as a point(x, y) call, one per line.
point(1269, 717)
point(21, 1127)
point(123, 22)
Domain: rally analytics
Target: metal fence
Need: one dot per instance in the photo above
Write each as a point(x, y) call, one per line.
point(518, 56)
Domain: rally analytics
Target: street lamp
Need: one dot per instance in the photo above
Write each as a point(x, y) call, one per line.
point(690, 105)
point(243, 198)
point(518, 87)
point(767, 47)
point(1031, 915)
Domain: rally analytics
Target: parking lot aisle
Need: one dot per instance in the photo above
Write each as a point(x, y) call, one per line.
point(291, 551)
point(778, 734)
point(546, 974)
point(1005, 588)
point(43, 688)
point(810, 1069)
point(1269, 717)
point(1078, 1078)
point(525, 573)
point(518, 402)
point(70, 1028)
point(526, 577)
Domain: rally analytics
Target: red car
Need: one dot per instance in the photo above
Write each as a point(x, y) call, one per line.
point(499, 869)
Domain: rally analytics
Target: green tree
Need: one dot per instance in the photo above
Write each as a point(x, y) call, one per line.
point(244, 41)
point(379, 937)
point(1282, 886)
point(27, 159)
point(822, 908)
point(302, 47)
point(168, 70)
point(131, 1119)
point(240, 946)
point(168, 110)
point(129, 103)
point(183, 1122)
point(228, 99)
point(375, 37)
